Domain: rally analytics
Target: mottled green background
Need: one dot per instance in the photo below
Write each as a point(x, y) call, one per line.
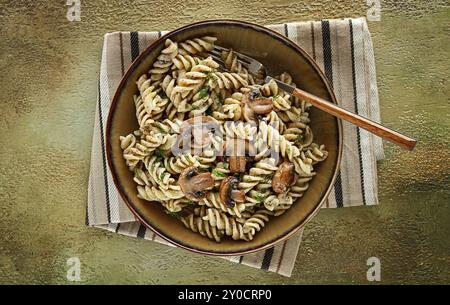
point(49, 70)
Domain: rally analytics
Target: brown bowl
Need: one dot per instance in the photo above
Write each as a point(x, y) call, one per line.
point(278, 54)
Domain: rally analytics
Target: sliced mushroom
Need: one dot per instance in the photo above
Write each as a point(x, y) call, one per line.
point(284, 177)
point(229, 193)
point(195, 185)
point(255, 105)
point(262, 105)
point(237, 164)
point(196, 122)
point(235, 150)
point(200, 128)
point(247, 113)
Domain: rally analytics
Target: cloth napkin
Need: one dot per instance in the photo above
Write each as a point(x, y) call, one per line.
point(343, 50)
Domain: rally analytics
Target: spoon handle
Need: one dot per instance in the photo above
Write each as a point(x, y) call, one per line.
point(369, 125)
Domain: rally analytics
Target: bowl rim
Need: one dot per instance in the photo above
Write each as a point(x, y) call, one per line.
point(117, 95)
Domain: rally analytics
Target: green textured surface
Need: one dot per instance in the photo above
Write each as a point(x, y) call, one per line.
point(49, 77)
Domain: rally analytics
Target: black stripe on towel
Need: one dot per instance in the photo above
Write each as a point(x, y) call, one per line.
point(355, 100)
point(134, 40)
point(117, 227)
point(141, 231)
point(328, 65)
point(286, 33)
point(240, 259)
point(105, 172)
point(86, 219)
point(267, 258)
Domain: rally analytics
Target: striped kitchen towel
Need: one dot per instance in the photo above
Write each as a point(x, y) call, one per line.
point(343, 49)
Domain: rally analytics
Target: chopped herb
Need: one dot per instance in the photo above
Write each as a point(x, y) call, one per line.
point(275, 96)
point(159, 154)
point(203, 92)
point(226, 165)
point(208, 111)
point(191, 202)
point(259, 197)
point(218, 173)
point(300, 138)
point(267, 178)
point(161, 176)
point(160, 127)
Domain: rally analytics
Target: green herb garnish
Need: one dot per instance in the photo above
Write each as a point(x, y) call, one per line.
point(160, 127)
point(300, 138)
point(267, 178)
point(218, 173)
point(159, 154)
point(203, 92)
point(259, 197)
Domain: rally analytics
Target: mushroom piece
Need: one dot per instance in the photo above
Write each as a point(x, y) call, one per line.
point(236, 149)
point(195, 185)
point(262, 105)
point(284, 177)
point(237, 164)
point(200, 128)
point(196, 122)
point(254, 105)
point(229, 193)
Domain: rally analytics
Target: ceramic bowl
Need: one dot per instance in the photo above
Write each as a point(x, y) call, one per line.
point(278, 54)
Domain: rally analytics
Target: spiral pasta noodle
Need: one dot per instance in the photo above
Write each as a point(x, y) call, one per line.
point(232, 64)
point(164, 61)
point(198, 225)
point(227, 81)
point(260, 172)
point(194, 79)
point(198, 45)
point(194, 121)
point(229, 225)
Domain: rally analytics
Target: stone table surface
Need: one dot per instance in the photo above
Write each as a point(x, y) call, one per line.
point(49, 70)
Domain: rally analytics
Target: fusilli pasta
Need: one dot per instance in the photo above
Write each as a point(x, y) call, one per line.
point(185, 99)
